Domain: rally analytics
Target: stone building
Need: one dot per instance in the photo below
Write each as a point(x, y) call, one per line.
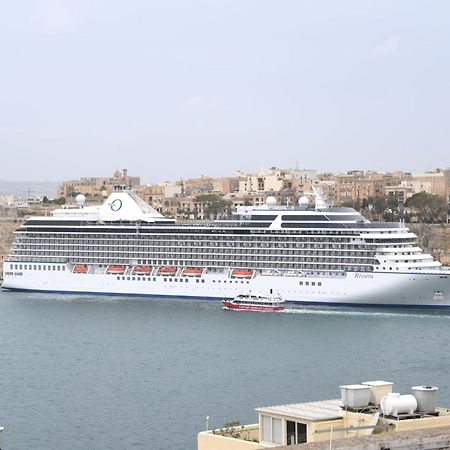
point(97, 186)
point(357, 185)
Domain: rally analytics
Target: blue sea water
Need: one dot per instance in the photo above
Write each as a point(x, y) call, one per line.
point(92, 372)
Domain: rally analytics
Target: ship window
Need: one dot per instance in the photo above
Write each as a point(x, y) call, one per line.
point(196, 281)
point(123, 278)
point(301, 283)
point(319, 283)
point(186, 280)
point(118, 278)
point(307, 283)
point(128, 278)
point(203, 281)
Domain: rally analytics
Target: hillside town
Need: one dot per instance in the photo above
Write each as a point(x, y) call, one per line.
point(377, 194)
point(205, 197)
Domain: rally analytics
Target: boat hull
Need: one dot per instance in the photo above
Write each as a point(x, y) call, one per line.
point(374, 289)
point(233, 307)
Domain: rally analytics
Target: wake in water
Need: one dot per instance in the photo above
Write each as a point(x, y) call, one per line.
point(368, 313)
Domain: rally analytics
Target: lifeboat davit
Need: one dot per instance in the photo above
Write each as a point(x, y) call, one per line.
point(116, 269)
point(242, 273)
point(80, 269)
point(142, 270)
point(192, 271)
point(167, 270)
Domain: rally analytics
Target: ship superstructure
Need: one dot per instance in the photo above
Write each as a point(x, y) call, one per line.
point(308, 255)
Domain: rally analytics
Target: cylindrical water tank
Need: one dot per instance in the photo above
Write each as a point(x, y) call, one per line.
point(426, 398)
point(395, 404)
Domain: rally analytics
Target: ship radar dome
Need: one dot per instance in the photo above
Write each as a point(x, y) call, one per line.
point(303, 202)
point(80, 199)
point(271, 202)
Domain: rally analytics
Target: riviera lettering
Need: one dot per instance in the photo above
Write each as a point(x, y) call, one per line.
point(363, 275)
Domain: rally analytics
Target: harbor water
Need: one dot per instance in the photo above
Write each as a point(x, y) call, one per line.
point(113, 373)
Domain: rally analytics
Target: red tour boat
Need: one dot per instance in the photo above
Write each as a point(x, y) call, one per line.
point(253, 302)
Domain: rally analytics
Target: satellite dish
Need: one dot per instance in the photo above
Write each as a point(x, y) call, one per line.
point(303, 202)
point(271, 202)
point(80, 199)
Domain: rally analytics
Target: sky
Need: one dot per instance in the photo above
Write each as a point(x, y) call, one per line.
point(176, 89)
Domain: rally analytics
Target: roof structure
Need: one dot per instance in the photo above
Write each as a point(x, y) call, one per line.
point(311, 411)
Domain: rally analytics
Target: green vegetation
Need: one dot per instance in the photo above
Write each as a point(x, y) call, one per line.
point(422, 207)
point(55, 201)
point(428, 208)
point(214, 205)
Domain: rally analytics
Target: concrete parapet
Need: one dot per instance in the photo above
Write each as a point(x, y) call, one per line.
point(430, 439)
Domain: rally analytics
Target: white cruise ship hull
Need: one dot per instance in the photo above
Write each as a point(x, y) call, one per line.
point(427, 289)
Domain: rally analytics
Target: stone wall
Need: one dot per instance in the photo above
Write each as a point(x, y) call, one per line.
point(435, 239)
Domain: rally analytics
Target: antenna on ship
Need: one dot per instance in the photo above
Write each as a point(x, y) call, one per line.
point(320, 202)
point(401, 204)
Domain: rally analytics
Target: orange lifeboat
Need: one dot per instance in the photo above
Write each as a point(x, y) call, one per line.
point(242, 273)
point(192, 271)
point(142, 270)
point(80, 269)
point(116, 269)
point(167, 270)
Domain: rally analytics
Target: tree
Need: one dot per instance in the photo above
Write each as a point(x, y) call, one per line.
point(214, 204)
point(428, 208)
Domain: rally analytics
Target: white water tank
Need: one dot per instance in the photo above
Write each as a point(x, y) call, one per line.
point(426, 398)
point(378, 389)
point(355, 396)
point(394, 404)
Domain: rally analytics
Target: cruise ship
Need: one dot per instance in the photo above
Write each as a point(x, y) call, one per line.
point(307, 255)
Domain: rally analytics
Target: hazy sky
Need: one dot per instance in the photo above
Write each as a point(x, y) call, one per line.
point(175, 89)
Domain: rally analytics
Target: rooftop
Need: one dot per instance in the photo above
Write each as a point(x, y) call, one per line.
point(311, 411)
